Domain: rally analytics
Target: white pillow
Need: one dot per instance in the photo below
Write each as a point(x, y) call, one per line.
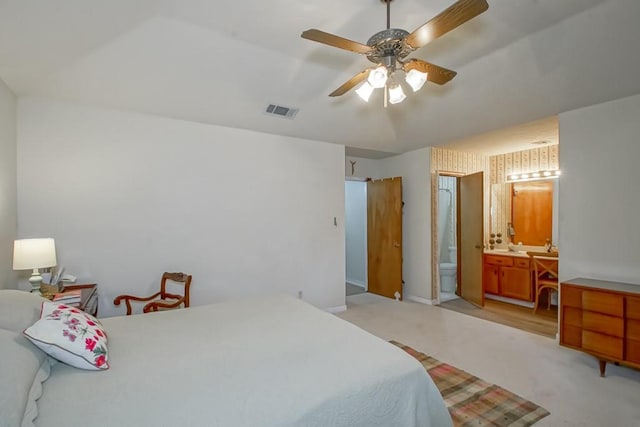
point(18, 309)
point(71, 336)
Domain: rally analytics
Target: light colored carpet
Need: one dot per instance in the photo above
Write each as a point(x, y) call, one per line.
point(564, 381)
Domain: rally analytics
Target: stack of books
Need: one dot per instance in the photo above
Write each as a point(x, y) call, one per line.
point(71, 298)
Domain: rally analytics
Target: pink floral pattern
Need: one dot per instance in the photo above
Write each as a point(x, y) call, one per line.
point(71, 336)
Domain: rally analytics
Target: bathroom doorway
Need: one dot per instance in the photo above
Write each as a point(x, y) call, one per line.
point(447, 235)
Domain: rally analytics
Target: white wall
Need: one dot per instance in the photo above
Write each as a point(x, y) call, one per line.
point(128, 196)
point(356, 232)
point(8, 188)
point(599, 235)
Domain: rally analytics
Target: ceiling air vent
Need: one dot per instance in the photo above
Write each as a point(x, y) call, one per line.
point(279, 110)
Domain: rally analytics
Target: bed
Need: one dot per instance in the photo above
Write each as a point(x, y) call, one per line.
point(272, 361)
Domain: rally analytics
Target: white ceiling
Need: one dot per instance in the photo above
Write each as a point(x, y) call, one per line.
point(223, 62)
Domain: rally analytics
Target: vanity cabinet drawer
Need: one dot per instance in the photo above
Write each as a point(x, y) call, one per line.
point(522, 263)
point(504, 261)
point(602, 302)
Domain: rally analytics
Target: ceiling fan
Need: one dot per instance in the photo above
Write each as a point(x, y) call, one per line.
point(389, 48)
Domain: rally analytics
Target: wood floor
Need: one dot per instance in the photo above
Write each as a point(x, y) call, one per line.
point(544, 322)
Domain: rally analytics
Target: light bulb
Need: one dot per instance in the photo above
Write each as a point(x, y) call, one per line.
point(416, 79)
point(547, 173)
point(364, 91)
point(396, 94)
point(557, 173)
point(378, 77)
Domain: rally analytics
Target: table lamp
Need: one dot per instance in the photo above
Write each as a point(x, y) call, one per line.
point(34, 254)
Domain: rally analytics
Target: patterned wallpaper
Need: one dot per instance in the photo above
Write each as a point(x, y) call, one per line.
point(536, 159)
point(445, 161)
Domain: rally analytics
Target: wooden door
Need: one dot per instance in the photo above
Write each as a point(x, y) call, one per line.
point(470, 232)
point(531, 211)
point(384, 237)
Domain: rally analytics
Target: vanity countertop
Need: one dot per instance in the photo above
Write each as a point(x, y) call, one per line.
point(506, 252)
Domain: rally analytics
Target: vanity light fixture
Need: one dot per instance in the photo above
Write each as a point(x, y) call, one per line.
point(533, 176)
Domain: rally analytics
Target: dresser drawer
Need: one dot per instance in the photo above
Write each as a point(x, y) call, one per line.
point(505, 261)
point(571, 336)
point(570, 296)
point(633, 308)
point(605, 345)
point(602, 302)
point(572, 316)
point(633, 329)
point(632, 351)
point(602, 323)
point(521, 263)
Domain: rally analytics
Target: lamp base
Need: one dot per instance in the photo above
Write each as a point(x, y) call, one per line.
point(36, 281)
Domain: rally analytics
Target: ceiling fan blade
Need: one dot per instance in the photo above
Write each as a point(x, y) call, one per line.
point(335, 41)
point(455, 15)
point(435, 74)
point(346, 87)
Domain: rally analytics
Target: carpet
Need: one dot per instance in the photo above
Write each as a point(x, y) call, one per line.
point(474, 402)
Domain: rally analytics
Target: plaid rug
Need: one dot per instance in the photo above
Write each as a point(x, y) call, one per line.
point(474, 402)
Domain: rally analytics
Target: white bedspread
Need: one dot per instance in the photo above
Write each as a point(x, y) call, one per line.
point(274, 361)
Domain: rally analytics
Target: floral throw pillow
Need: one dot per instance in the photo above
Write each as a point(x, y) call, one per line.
point(71, 336)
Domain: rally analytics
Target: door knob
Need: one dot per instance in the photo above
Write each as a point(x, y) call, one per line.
point(478, 246)
point(396, 245)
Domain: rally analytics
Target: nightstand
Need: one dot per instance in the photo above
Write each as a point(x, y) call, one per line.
point(88, 297)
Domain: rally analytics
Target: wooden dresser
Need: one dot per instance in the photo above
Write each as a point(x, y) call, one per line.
point(602, 319)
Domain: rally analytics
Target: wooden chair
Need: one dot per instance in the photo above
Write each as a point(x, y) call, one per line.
point(544, 266)
point(162, 300)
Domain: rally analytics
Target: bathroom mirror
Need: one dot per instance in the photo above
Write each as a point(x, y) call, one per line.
point(528, 207)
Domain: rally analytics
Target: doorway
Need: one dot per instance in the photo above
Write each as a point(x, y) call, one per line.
point(447, 236)
point(373, 233)
point(355, 236)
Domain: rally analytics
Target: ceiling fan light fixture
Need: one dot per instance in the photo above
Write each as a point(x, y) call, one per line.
point(378, 77)
point(416, 79)
point(364, 91)
point(396, 94)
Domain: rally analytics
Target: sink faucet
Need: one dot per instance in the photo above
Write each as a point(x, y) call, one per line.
point(548, 245)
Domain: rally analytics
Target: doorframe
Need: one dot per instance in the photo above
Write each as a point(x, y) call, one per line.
point(366, 235)
point(436, 244)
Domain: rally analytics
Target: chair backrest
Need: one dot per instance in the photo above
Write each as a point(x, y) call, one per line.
point(544, 265)
point(180, 279)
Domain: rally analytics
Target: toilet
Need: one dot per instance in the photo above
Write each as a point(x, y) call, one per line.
point(448, 272)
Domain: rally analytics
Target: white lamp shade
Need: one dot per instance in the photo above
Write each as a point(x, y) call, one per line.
point(416, 79)
point(364, 91)
point(378, 77)
point(396, 94)
point(34, 253)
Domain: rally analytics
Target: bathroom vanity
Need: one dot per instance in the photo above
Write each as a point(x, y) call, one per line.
point(507, 274)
